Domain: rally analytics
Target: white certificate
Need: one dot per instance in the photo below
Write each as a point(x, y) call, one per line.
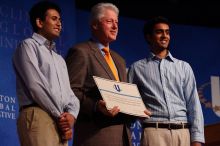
point(124, 95)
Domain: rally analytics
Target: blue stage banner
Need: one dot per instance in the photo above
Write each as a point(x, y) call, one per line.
point(14, 27)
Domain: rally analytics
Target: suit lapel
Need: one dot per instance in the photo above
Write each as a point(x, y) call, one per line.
point(98, 55)
point(118, 66)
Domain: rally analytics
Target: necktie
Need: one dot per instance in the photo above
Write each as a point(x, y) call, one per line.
point(110, 62)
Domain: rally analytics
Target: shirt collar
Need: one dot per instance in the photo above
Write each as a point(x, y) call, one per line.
point(169, 57)
point(99, 45)
point(43, 41)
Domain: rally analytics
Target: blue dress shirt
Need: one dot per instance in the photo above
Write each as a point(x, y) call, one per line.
point(168, 89)
point(42, 77)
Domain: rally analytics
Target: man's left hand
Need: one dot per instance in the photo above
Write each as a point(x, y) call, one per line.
point(196, 144)
point(67, 119)
point(67, 135)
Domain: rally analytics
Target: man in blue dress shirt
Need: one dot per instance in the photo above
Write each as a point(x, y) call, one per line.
point(48, 107)
point(168, 88)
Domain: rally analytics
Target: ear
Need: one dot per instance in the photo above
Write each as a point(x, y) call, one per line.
point(39, 23)
point(94, 25)
point(148, 38)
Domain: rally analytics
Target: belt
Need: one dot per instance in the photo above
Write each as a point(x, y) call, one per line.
point(167, 125)
point(27, 106)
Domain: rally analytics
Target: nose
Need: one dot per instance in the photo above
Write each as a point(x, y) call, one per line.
point(115, 25)
point(59, 23)
point(165, 34)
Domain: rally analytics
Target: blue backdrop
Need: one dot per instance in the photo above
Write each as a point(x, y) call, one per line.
point(197, 45)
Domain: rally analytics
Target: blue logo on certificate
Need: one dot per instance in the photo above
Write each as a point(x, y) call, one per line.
point(117, 88)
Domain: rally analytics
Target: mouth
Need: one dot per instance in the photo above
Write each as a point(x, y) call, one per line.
point(114, 32)
point(57, 29)
point(164, 42)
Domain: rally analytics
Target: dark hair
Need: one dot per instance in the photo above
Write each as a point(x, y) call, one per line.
point(39, 11)
point(149, 25)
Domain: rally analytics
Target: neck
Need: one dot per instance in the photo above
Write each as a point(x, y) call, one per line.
point(45, 35)
point(104, 42)
point(160, 53)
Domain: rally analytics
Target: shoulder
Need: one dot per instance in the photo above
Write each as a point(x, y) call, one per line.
point(27, 47)
point(183, 67)
point(139, 63)
point(82, 45)
point(137, 66)
point(80, 51)
point(183, 64)
point(86, 45)
point(28, 44)
point(81, 48)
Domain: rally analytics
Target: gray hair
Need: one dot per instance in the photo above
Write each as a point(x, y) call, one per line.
point(97, 11)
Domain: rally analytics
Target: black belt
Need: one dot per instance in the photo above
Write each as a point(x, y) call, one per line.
point(27, 106)
point(166, 125)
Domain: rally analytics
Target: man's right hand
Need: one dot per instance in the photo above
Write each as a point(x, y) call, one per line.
point(101, 106)
point(67, 135)
point(147, 112)
point(65, 124)
point(66, 120)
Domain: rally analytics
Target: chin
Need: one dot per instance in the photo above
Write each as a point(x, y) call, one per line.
point(164, 46)
point(113, 38)
point(56, 35)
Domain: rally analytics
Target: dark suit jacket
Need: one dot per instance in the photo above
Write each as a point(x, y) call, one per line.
point(85, 60)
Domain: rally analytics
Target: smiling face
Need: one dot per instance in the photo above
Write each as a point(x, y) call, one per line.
point(160, 37)
point(50, 28)
point(106, 29)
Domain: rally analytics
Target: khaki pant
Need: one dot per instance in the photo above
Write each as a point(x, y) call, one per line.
point(36, 128)
point(165, 137)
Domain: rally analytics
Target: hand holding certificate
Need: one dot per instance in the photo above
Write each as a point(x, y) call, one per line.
point(124, 95)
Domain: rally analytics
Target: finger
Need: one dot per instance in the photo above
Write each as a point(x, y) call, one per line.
point(147, 112)
point(67, 135)
point(64, 126)
point(62, 119)
point(114, 111)
point(70, 118)
point(101, 106)
point(63, 123)
point(102, 102)
point(64, 130)
point(115, 108)
point(63, 115)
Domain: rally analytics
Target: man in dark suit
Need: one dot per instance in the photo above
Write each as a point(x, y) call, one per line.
point(97, 126)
